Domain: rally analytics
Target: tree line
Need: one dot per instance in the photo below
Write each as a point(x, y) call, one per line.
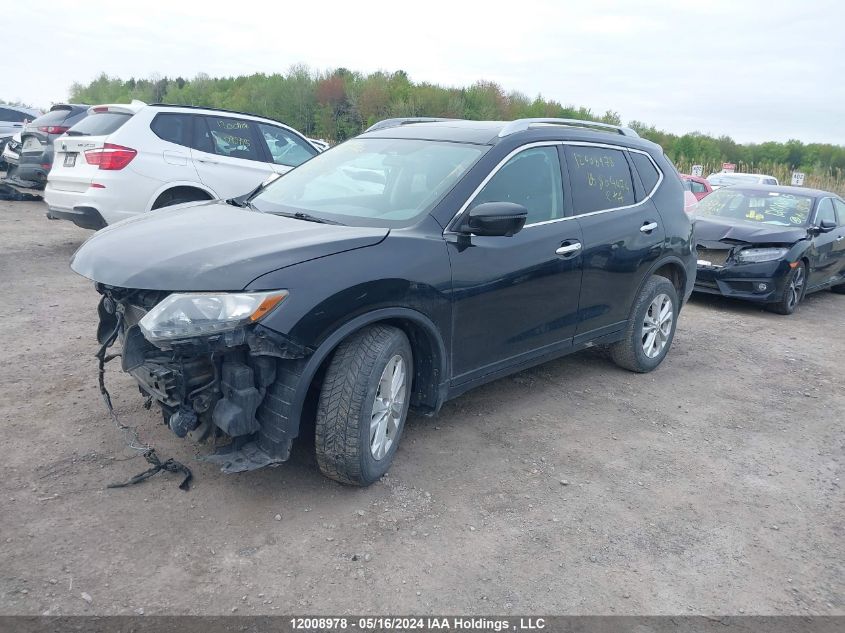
point(341, 103)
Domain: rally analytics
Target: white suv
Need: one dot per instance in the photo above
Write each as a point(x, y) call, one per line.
point(126, 159)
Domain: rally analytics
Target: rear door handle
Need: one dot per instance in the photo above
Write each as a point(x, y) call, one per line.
point(648, 227)
point(569, 249)
point(208, 162)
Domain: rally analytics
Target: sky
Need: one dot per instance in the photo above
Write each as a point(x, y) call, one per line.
point(753, 70)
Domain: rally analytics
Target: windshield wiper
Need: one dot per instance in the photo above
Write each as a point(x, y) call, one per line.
point(299, 215)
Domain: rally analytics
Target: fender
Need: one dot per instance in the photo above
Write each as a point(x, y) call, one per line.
point(670, 259)
point(329, 344)
point(178, 183)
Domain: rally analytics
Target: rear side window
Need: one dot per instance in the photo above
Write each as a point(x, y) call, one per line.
point(284, 147)
point(649, 174)
point(600, 178)
point(235, 138)
point(175, 128)
point(99, 124)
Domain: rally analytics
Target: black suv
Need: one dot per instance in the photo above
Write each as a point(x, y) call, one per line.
point(399, 269)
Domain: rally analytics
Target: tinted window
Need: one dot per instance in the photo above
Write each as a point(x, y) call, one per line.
point(826, 212)
point(649, 174)
point(175, 128)
point(7, 114)
point(54, 117)
point(769, 181)
point(697, 187)
point(600, 177)
point(235, 138)
point(532, 179)
point(99, 124)
point(285, 147)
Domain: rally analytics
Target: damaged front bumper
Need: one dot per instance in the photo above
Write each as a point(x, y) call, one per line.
point(231, 390)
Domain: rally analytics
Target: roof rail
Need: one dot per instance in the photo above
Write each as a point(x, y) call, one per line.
point(388, 123)
point(520, 125)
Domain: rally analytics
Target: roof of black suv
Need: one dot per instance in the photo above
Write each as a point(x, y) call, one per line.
point(492, 132)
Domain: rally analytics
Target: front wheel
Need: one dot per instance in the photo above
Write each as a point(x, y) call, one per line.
point(793, 291)
point(363, 405)
point(651, 327)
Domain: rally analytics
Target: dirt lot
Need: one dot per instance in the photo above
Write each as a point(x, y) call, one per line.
point(709, 486)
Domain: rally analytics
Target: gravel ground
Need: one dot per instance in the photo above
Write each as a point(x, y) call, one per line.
point(709, 486)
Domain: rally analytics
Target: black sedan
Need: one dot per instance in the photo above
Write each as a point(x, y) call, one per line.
point(770, 244)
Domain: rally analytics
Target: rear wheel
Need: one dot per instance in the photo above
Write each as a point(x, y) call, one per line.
point(363, 405)
point(179, 196)
point(651, 327)
point(793, 291)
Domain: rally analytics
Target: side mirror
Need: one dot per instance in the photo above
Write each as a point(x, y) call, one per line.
point(826, 226)
point(495, 219)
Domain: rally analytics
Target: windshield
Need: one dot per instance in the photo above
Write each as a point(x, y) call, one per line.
point(371, 182)
point(764, 207)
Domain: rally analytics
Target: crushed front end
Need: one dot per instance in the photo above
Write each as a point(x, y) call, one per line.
point(211, 367)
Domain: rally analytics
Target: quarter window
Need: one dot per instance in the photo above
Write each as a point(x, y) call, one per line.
point(285, 147)
point(235, 138)
point(649, 174)
point(697, 187)
point(826, 213)
point(532, 179)
point(175, 128)
point(600, 178)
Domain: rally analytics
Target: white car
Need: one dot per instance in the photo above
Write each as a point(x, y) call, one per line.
point(127, 159)
point(728, 178)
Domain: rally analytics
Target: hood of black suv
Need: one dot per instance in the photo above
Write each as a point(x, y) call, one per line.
point(715, 230)
point(212, 246)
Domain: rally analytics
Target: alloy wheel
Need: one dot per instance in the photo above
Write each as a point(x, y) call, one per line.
point(657, 325)
point(388, 407)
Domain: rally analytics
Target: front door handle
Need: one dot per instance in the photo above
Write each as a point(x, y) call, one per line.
point(569, 249)
point(648, 227)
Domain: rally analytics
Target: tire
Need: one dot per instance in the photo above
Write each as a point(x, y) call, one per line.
point(171, 198)
point(347, 449)
point(793, 291)
point(630, 353)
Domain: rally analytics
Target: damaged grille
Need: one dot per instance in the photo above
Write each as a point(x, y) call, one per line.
point(713, 257)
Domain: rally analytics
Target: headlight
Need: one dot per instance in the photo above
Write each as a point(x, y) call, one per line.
point(188, 315)
point(756, 255)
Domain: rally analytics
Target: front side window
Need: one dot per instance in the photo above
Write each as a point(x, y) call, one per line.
point(234, 138)
point(531, 179)
point(285, 147)
point(757, 206)
point(173, 127)
point(371, 182)
point(826, 212)
point(840, 209)
point(600, 178)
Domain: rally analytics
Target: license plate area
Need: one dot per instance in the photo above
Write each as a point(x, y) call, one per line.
point(70, 159)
